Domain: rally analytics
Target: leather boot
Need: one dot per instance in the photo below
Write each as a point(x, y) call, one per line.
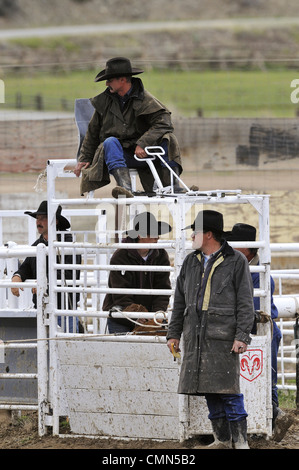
point(166, 179)
point(222, 434)
point(123, 181)
point(239, 434)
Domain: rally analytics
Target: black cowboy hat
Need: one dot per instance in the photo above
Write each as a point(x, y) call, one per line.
point(63, 223)
point(146, 225)
point(117, 67)
point(242, 232)
point(207, 220)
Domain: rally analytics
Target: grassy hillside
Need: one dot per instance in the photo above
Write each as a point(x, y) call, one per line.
point(187, 93)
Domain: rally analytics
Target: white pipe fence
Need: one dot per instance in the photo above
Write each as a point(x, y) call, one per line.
point(92, 285)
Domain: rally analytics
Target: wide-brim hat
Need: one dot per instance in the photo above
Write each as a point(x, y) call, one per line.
point(146, 225)
point(207, 220)
point(63, 223)
point(242, 232)
point(117, 67)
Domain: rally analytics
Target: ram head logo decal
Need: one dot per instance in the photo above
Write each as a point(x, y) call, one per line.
point(251, 364)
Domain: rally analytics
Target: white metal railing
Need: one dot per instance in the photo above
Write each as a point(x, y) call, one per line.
point(41, 288)
point(179, 208)
point(95, 268)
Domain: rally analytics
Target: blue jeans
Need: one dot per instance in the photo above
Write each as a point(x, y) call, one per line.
point(118, 157)
point(71, 324)
point(224, 405)
point(115, 327)
point(274, 350)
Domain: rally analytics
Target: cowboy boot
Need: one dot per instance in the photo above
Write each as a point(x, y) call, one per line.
point(222, 434)
point(123, 181)
point(239, 434)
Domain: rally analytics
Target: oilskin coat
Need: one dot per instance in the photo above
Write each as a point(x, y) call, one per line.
point(211, 312)
point(145, 121)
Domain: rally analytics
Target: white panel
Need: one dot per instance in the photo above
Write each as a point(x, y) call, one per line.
point(119, 378)
point(126, 426)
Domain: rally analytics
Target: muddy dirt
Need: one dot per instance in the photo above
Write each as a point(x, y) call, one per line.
point(22, 433)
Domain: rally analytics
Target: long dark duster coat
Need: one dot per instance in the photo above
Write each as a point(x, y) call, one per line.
point(211, 310)
point(145, 121)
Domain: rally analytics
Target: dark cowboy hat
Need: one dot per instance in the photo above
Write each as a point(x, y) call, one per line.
point(146, 225)
point(63, 223)
point(242, 232)
point(117, 67)
point(206, 221)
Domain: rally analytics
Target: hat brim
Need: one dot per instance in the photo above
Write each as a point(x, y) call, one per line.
point(35, 214)
point(101, 76)
point(160, 229)
point(207, 229)
point(62, 221)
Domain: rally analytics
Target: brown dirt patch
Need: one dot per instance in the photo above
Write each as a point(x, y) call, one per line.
point(23, 434)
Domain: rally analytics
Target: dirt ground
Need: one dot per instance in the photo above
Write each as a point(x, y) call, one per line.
point(22, 433)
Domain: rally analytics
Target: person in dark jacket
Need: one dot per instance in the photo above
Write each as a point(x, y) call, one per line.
point(126, 120)
point(27, 270)
point(146, 230)
point(213, 310)
point(246, 232)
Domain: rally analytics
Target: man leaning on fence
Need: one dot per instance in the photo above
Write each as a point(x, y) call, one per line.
point(146, 229)
point(126, 120)
point(28, 270)
point(213, 310)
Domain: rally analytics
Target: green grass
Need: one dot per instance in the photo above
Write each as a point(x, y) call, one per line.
point(287, 399)
point(214, 93)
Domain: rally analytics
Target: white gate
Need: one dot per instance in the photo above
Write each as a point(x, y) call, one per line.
point(96, 379)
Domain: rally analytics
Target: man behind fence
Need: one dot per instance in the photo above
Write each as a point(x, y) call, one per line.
point(213, 309)
point(244, 232)
point(27, 270)
point(146, 229)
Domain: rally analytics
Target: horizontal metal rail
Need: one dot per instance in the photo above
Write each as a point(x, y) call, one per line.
point(19, 407)
point(18, 376)
point(113, 267)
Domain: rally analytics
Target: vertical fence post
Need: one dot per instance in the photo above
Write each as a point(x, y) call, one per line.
point(296, 337)
point(42, 343)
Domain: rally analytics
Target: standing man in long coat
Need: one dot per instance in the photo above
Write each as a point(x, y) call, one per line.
point(213, 309)
point(126, 120)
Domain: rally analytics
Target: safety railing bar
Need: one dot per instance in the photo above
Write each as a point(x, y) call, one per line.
point(212, 197)
point(287, 375)
point(284, 271)
point(98, 290)
point(17, 313)
point(283, 247)
point(109, 246)
point(17, 252)
point(289, 360)
point(286, 387)
point(113, 267)
point(104, 290)
point(20, 345)
point(106, 314)
point(285, 276)
point(126, 337)
point(26, 284)
point(18, 376)
point(19, 407)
